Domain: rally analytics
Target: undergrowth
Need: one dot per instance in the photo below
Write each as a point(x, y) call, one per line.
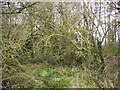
point(47, 76)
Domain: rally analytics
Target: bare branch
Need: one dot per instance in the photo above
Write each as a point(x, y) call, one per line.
point(19, 10)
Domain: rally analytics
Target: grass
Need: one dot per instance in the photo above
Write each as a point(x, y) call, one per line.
point(46, 76)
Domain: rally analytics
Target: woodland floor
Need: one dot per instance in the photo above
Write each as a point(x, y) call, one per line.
point(47, 76)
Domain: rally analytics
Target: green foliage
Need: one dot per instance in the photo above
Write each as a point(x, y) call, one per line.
point(42, 76)
point(55, 79)
point(55, 45)
point(110, 49)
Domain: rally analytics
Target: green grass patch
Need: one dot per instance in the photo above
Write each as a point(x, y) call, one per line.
point(46, 76)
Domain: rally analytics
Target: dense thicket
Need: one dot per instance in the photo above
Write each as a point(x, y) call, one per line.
point(83, 35)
